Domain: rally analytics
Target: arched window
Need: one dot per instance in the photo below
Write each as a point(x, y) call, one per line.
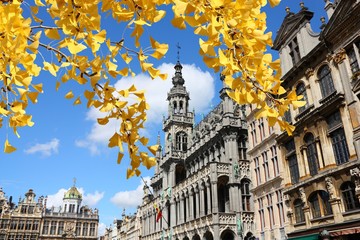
point(181, 141)
point(174, 107)
point(299, 212)
point(320, 205)
point(311, 154)
point(351, 202)
point(245, 195)
point(326, 81)
point(301, 90)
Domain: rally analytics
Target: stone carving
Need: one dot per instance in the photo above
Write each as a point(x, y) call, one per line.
point(330, 187)
point(340, 56)
point(329, 57)
point(303, 196)
point(309, 72)
point(355, 173)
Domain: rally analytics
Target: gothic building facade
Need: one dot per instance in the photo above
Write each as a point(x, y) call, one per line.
point(32, 220)
point(202, 179)
point(321, 159)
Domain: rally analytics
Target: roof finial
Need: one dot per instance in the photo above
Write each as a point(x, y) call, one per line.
point(74, 180)
point(178, 51)
point(287, 9)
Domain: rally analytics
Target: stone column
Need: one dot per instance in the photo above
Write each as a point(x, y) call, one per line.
point(182, 209)
point(172, 213)
point(197, 203)
point(305, 161)
point(202, 201)
point(319, 153)
point(214, 197)
point(187, 207)
point(208, 192)
point(191, 205)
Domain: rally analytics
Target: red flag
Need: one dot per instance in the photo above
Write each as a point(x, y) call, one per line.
point(158, 213)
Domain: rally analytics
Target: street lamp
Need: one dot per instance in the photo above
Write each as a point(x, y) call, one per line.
point(324, 235)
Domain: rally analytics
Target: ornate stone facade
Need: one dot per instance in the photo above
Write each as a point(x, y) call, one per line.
point(321, 159)
point(202, 181)
point(32, 220)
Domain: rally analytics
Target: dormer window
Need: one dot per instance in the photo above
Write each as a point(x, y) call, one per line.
point(294, 51)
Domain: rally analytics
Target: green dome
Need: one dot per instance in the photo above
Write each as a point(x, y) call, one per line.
point(73, 193)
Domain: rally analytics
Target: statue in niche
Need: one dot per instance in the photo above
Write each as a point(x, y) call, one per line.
point(303, 196)
point(330, 187)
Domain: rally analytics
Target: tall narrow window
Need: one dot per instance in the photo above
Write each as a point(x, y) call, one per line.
point(350, 200)
point(60, 228)
point(299, 212)
point(245, 195)
point(181, 141)
point(266, 165)
point(92, 229)
point(292, 161)
point(320, 205)
point(311, 154)
point(45, 229)
point(301, 90)
point(274, 160)
point(257, 171)
point(294, 51)
point(78, 228)
point(53, 227)
point(338, 138)
point(326, 81)
point(261, 214)
point(270, 210)
point(280, 206)
point(354, 65)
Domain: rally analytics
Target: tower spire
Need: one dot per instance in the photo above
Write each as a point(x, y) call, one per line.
point(178, 51)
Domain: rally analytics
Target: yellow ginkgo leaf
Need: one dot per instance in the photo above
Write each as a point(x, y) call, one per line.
point(153, 149)
point(120, 156)
point(69, 95)
point(77, 101)
point(52, 33)
point(8, 148)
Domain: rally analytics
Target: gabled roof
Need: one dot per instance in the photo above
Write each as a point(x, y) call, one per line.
point(291, 24)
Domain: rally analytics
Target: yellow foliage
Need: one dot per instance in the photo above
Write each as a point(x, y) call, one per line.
point(234, 42)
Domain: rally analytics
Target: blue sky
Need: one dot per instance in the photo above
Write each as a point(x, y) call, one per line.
point(65, 141)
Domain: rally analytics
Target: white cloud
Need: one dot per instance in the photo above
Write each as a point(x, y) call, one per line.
point(46, 149)
point(132, 198)
point(90, 199)
point(196, 81)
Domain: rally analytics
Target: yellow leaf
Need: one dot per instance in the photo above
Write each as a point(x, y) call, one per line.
point(69, 95)
point(38, 87)
point(52, 68)
point(129, 173)
point(178, 22)
point(144, 140)
point(77, 101)
point(33, 96)
point(8, 148)
point(103, 121)
point(149, 162)
point(57, 85)
point(274, 3)
point(153, 149)
point(120, 156)
point(100, 37)
point(52, 34)
point(126, 57)
point(297, 104)
point(75, 47)
point(39, 3)
point(160, 49)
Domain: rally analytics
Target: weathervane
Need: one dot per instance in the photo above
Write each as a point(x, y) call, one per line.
point(178, 51)
point(74, 180)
